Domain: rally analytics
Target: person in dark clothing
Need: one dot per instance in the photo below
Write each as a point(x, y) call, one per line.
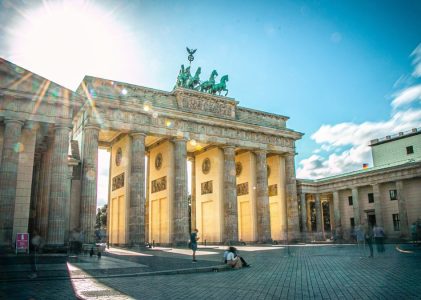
point(369, 240)
point(193, 243)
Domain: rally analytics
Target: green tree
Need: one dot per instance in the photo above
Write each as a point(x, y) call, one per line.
point(101, 217)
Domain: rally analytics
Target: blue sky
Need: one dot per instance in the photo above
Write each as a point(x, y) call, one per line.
point(345, 72)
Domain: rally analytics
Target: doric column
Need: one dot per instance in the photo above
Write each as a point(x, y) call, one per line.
point(230, 197)
point(262, 198)
point(89, 181)
point(34, 193)
point(291, 197)
point(403, 214)
point(303, 204)
point(181, 204)
point(336, 209)
point(356, 206)
point(60, 186)
point(44, 191)
point(8, 179)
point(193, 192)
point(377, 204)
point(137, 190)
point(148, 171)
point(318, 206)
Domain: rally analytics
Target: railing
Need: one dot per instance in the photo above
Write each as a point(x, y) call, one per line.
point(397, 135)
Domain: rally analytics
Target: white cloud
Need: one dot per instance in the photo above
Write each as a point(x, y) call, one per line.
point(417, 61)
point(408, 95)
point(102, 184)
point(356, 138)
point(346, 145)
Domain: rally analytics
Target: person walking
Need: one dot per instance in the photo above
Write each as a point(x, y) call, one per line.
point(378, 234)
point(193, 243)
point(360, 236)
point(369, 240)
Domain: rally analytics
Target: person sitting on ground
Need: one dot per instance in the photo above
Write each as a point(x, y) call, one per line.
point(232, 259)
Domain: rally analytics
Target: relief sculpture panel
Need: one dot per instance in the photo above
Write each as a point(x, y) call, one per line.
point(159, 184)
point(242, 189)
point(118, 182)
point(206, 187)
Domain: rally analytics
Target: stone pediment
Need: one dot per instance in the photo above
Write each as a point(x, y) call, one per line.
point(207, 104)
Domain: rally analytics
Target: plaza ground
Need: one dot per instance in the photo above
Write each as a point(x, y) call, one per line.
point(277, 272)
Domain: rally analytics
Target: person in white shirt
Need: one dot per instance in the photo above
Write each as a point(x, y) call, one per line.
point(232, 259)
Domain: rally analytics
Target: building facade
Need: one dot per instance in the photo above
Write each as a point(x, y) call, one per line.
point(243, 174)
point(388, 194)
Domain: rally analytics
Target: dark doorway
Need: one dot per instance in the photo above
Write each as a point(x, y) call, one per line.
point(326, 216)
point(371, 217)
point(313, 216)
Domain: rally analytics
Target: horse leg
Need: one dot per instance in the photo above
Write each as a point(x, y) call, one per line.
point(226, 92)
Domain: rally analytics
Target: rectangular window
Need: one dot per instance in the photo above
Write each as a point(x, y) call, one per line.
point(396, 222)
point(350, 200)
point(410, 150)
point(370, 198)
point(352, 221)
point(393, 194)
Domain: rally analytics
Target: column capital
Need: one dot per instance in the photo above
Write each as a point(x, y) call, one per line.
point(179, 139)
point(16, 121)
point(290, 154)
point(137, 133)
point(62, 126)
point(261, 151)
point(92, 126)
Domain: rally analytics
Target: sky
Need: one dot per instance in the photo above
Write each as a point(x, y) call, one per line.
point(345, 72)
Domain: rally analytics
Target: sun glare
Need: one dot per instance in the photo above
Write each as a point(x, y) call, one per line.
point(66, 40)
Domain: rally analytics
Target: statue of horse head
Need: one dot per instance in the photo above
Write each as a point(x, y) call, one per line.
point(213, 74)
point(224, 78)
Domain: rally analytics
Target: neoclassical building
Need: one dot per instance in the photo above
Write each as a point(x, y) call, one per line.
point(388, 194)
point(243, 178)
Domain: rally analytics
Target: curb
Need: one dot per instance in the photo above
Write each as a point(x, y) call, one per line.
point(217, 268)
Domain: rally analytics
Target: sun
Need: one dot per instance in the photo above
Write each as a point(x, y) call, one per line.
point(65, 40)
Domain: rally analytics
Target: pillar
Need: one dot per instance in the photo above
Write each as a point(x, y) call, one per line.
point(403, 214)
point(377, 204)
point(8, 179)
point(181, 205)
point(137, 190)
point(44, 191)
point(336, 210)
point(60, 186)
point(89, 182)
point(193, 192)
point(356, 206)
point(262, 198)
point(318, 206)
point(303, 204)
point(291, 198)
point(147, 197)
point(230, 234)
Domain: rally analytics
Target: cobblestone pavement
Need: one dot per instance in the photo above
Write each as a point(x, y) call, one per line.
point(309, 272)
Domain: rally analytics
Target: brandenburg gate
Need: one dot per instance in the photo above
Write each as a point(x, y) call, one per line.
point(243, 185)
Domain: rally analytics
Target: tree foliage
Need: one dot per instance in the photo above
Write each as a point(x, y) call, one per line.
point(101, 217)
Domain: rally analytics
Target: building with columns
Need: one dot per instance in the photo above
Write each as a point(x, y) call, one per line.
point(243, 175)
point(388, 194)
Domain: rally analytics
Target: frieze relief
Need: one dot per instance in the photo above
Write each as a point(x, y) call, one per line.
point(273, 190)
point(200, 103)
point(159, 184)
point(242, 189)
point(206, 187)
point(119, 116)
point(118, 182)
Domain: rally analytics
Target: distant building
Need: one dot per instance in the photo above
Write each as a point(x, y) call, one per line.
point(388, 194)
